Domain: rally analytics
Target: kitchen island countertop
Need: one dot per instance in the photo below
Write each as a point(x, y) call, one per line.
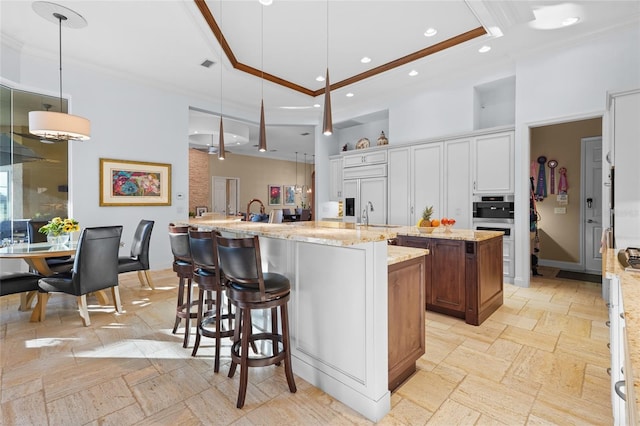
point(338, 233)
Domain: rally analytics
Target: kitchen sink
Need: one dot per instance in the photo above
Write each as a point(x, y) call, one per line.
point(379, 226)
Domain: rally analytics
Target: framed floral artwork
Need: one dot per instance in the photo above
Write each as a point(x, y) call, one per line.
point(289, 195)
point(134, 183)
point(275, 195)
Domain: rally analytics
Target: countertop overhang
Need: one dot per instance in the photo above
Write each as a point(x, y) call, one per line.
point(337, 233)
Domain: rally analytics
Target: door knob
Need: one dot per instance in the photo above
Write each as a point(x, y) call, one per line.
point(590, 221)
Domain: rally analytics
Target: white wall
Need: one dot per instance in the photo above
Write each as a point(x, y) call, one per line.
point(130, 121)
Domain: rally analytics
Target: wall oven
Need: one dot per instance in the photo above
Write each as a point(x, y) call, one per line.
point(496, 213)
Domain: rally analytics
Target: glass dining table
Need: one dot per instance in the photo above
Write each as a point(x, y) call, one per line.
point(36, 254)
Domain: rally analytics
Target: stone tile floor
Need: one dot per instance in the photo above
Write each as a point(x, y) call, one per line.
point(540, 359)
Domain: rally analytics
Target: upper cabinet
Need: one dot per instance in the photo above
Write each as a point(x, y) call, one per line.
point(494, 164)
point(365, 159)
point(335, 179)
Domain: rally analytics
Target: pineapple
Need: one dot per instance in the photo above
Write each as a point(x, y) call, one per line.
point(426, 217)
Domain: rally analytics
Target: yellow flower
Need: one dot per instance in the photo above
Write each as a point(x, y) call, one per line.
point(57, 226)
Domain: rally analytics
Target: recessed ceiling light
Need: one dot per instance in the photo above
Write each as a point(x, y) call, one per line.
point(484, 49)
point(365, 60)
point(570, 21)
point(295, 107)
point(316, 105)
point(430, 32)
point(349, 95)
point(413, 73)
point(266, 2)
point(320, 78)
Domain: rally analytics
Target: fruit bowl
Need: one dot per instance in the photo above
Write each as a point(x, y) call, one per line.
point(426, 229)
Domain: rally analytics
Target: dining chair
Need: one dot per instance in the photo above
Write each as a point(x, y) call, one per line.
point(56, 264)
point(249, 288)
point(138, 260)
point(95, 268)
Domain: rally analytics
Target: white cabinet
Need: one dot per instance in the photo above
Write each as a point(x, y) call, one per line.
point(415, 181)
point(335, 179)
point(494, 164)
point(457, 182)
point(372, 157)
point(617, 347)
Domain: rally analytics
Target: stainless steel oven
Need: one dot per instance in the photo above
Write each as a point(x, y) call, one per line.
point(495, 213)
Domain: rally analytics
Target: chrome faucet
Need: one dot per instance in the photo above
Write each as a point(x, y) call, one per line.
point(365, 212)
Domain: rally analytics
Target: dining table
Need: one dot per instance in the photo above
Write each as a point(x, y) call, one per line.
point(35, 255)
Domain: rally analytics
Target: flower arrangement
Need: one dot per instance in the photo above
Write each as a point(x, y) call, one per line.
point(57, 226)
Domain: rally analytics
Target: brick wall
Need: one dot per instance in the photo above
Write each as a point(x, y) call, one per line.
point(199, 180)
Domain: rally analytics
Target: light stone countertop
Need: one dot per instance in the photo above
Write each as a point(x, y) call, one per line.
point(397, 254)
point(630, 287)
point(335, 233)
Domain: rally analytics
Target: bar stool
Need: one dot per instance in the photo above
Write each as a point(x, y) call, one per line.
point(248, 288)
point(182, 265)
point(210, 322)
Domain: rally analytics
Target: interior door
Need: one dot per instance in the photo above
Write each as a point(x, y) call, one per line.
point(219, 195)
point(592, 203)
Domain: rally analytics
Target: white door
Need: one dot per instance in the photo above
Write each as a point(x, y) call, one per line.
point(427, 182)
point(399, 182)
point(592, 203)
point(374, 191)
point(219, 195)
point(457, 197)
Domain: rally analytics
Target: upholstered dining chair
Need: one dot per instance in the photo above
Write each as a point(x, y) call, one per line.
point(19, 282)
point(138, 260)
point(95, 268)
point(56, 264)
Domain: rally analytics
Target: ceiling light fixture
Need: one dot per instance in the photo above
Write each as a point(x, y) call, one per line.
point(212, 149)
point(305, 175)
point(296, 188)
point(327, 122)
point(221, 131)
point(484, 49)
point(266, 2)
point(413, 73)
point(320, 78)
point(570, 21)
point(349, 95)
point(430, 32)
point(365, 60)
point(59, 126)
point(262, 137)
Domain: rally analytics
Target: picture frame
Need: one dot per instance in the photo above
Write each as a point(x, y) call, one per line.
point(200, 210)
point(289, 195)
point(134, 183)
point(275, 195)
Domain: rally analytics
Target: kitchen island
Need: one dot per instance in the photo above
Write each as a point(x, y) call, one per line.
point(338, 317)
point(339, 307)
point(464, 271)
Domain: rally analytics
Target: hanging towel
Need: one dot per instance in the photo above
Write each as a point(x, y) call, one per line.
point(563, 184)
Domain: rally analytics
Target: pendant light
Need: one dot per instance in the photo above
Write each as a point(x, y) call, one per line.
point(296, 188)
point(221, 130)
point(262, 137)
point(327, 122)
point(305, 175)
point(59, 126)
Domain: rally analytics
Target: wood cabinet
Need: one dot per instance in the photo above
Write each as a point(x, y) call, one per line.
point(463, 278)
point(373, 157)
point(494, 163)
point(406, 338)
point(335, 179)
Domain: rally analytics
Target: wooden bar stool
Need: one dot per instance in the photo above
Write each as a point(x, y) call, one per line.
point(182, 265)
point(248, 288)
point(210, 322)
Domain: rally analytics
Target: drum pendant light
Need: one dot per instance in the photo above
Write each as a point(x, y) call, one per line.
point(262, 137)
point(58, 126)
point(327, 122)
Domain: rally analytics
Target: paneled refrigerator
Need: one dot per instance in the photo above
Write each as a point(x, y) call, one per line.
point(366, 196)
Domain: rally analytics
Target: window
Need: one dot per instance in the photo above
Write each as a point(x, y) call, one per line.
point(33, 174)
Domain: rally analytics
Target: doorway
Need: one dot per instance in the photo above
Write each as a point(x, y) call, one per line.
point(565, 237)
point(225, 195)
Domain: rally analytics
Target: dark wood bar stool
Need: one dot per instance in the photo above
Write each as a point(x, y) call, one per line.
point(182, 266)
point(210, 322)
point(248, 288)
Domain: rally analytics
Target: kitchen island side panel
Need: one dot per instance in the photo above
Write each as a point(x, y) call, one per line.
point(338, 318)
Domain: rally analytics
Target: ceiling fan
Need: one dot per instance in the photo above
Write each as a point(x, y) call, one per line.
point(209, 149)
